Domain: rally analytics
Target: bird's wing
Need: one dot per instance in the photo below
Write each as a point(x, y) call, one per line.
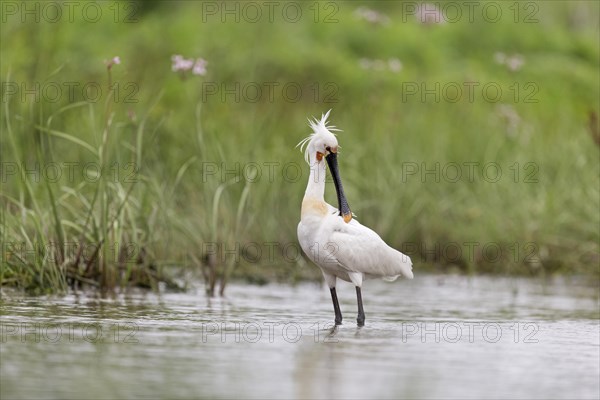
point(359, 249)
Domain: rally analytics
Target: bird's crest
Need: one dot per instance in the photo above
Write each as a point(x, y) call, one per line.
point(319, 127)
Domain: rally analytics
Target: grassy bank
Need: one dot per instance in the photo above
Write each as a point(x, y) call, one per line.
point(469, 145)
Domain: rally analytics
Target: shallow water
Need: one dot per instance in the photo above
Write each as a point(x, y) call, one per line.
point(433, 337)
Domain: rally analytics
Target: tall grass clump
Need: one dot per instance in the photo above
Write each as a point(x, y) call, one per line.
point(171, 192)
point(91, 227)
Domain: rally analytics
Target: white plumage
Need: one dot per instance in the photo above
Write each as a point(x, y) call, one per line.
point(342, 247)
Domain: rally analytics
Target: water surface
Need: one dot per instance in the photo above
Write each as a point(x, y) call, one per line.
point(433, 337)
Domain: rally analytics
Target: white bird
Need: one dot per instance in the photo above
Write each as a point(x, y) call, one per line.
point(336, 243)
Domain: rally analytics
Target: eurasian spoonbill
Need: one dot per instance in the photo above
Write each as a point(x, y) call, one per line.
point(331, 238)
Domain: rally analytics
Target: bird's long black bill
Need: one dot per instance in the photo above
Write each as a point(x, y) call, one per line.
point(335, 172)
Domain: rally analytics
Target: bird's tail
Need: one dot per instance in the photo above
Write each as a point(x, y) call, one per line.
point(402, 266)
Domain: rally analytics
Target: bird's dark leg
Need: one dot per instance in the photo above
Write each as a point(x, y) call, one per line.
point(361, 313)
point(336, 307)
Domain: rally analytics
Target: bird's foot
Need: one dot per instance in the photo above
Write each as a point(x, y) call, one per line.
point(333, 331)
point(360, 321)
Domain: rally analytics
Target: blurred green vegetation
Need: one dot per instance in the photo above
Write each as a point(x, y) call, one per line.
point(191, 140)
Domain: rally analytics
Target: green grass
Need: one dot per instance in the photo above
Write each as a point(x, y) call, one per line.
point(176, 178)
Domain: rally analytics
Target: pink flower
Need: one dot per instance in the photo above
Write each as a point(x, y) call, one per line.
point(199, 67)
point(181, 64)
point(371, 16)
point(113, 61)
point(365, 63)
point(500, 57)
point(395, 65)
point(514, 62)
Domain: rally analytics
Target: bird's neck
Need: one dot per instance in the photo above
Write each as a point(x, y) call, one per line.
point(316, 179)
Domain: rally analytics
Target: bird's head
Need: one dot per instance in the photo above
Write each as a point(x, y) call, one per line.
point(323, 143)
